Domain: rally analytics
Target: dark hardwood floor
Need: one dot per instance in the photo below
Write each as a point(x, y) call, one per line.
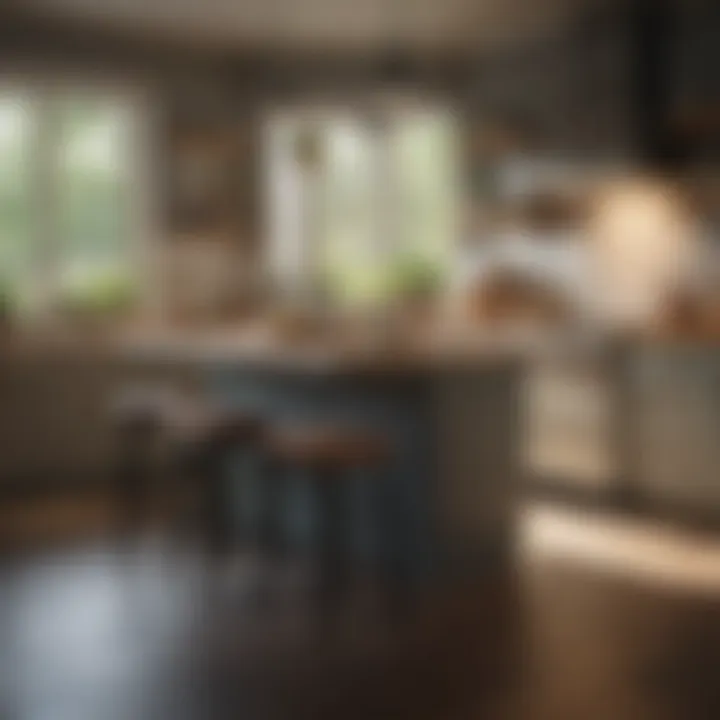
point(593, 624)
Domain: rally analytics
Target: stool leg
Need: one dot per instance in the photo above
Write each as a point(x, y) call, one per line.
point(268, 542)
point(217, 502)
point(182, 478)
point(331, 542)
point(132, 479)
point(270, 495)
point(393, 549)
point(245, 481)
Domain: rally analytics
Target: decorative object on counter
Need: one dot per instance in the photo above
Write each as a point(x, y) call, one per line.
point(681, 316)
point(688, 315)
point(553, 211)
point(296, 325)
point(509, 297)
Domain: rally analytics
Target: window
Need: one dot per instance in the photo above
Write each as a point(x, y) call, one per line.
point(353, 196)
point(16, 240)
point(68, 217)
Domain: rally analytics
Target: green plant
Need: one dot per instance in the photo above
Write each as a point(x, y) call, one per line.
point(99, 294)
point(415, 276)
point(8, 304)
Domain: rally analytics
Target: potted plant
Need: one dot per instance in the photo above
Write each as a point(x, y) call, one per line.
point(98, 300)
point(415, 283)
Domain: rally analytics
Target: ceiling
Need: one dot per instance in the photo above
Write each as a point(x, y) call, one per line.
point(358, 25)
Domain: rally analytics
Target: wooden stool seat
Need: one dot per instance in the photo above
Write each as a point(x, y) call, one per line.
point(193, 426)
point(327, 448)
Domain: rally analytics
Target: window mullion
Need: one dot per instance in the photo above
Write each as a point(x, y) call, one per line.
point(385, 207)
point(45, 203)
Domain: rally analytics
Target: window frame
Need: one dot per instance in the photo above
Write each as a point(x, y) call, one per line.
point(44, 95)
point(379, 115)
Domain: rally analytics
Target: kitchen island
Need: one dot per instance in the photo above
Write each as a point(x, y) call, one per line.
point(451, 417)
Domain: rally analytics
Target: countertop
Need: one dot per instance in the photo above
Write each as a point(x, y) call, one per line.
point(259, 347)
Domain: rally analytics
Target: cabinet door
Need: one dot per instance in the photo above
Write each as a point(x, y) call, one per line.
point(678, 424)
point(567, 415)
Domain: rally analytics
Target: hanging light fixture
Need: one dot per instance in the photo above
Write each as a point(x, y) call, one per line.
point(309, 148)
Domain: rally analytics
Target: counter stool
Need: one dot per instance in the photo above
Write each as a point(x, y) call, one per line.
point(137, 421)
point(328, 456)
point(202, 453)
point(199, 444)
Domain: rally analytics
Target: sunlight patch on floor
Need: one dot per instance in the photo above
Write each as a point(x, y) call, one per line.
point(646, 551)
